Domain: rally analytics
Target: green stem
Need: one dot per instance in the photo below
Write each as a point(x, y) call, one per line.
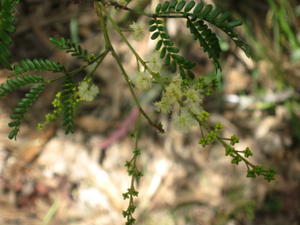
point(77, 70)
point(158, 126)
point(152, 15)
point(91, 73)
point(220, 139)
point(134, 159)
point(247, 162)
point(116, 28)
point(51, 213)
point(156, 76)
point(100, 8)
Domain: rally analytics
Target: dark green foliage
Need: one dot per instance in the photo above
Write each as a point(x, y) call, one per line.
point(7, 27)
point(180, 5)
point(165, 6)
point(198, 9)
point(196, 14)
point(73, 49)
point(172, 5)
point(168, 51)
point(158, 8)
point(69, 104)
point(268, 174)
point(189, 6)
point(22, 107)
point(205, 13)
point(37, 65)
point(13, 84)
point(207, 39)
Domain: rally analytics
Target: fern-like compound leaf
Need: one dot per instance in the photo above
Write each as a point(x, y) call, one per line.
point(220, 19)
point(22, 107)
point(37, 65)
point(207, 39)
point(69, 104)
point(15, 83)
point(196, 14)
point(73, 48)
point(168, 51)
point(7, 27)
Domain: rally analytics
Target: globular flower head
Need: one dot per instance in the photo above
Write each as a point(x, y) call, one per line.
point(122, 2)
point(193, 99)
point(170, 96)
point(138, 31)
point(87, 91)
point(164, 105)
point(154, 62)
point(193, 96)
point(142, 80)
point(184, 120)
point(174, 90)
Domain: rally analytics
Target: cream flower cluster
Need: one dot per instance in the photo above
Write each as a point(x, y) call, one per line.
point(171, 96)
point(122, 2)
point(154, 62)
point(142, 80)
point(87, 91)
point(138, 31)
point(183, 120)
point(189, 97)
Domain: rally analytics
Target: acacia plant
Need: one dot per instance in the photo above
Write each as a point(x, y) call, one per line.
point(182, 91)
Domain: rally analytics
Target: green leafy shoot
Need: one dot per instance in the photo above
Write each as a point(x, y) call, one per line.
point(37, 65)
point(13, 84)
point(168, 51)
point(72, 48)
point(22, 107)
point(51, 116)
point(7, 28)
point(198, 16)
point(69, 100)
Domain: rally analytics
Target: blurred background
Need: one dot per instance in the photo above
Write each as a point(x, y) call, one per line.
point(49, 178)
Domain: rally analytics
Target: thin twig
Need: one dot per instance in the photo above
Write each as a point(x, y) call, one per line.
point(100, 7)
